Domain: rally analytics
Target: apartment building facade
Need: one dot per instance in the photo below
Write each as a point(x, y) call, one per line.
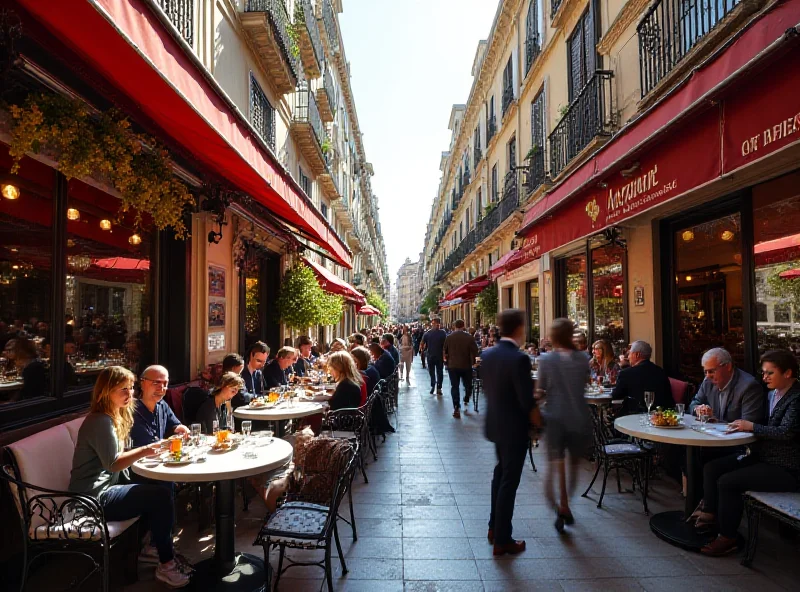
point(613, 165)
point(408, 298)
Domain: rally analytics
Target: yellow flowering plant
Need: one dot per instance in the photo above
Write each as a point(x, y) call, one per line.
point(102, 145)
point(302, 303)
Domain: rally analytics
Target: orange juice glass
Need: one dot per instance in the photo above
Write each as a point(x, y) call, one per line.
point(175, 445)
point(222, 436)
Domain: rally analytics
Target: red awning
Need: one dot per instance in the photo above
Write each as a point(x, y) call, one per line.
point(677, 164)
point(790, 274)
point(126, 43)
point(335, 285)
point(369, 311)
point(499, 267)
point(779, 250)
point(126, 263)
point(468, 290)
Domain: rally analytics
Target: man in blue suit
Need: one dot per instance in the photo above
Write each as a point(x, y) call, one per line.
point(507, 382)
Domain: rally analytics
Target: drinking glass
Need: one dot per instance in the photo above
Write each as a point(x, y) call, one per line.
point(128, 443)
point(247, 427)
point(196, 429)
point(649, 398)
point(680, 408)
point(702, 418)
point(215, 428)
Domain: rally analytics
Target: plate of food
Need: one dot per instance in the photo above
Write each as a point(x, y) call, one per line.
point(666, 419)
point(226, 446)
point(177, 463)
point(260, 404)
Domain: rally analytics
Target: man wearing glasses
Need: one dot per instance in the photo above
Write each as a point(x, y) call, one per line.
point(727, 393)
point(153, 420)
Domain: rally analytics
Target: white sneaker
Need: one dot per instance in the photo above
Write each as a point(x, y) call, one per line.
point(171, 575)
point(149, 555)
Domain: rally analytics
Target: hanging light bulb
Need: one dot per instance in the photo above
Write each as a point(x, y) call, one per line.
point(135, 239)
point(105, 224)
point(73, 214)
point(687, 236)
point(727, 235)
point(10, 191)
point(70, 243)
point(688, 278)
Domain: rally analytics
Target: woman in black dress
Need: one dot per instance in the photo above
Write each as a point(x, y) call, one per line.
point(348, 381)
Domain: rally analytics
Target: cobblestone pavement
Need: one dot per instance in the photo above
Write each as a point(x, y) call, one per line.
point(422, 525)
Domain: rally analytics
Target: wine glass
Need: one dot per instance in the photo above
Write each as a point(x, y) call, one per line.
point(196, 428)
point(247, 427)
point(680, 407)
point(215, 428)
point(649, 398)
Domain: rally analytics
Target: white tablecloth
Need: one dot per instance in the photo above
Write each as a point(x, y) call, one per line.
point(685, 436)
point(282, 412)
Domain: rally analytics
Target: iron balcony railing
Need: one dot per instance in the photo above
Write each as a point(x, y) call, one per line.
point(466, 179)
point(262, 115)
point(180, 14)
point(535, 173)
point(588, 116)
point(304, 13)
point(670, 29)
point(477, 155)
point(327, 83)
point(280, 23)
point(554, 6)
point(306, 111)
point(508, 98)
point(510, 195)
point(532, 49)
point(329, 20)
point(491, 128)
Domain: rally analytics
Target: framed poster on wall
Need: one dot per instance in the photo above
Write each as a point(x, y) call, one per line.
point(216, 281)
point(216, 314)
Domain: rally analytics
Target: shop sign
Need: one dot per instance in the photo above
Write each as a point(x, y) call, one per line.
point(762, 116)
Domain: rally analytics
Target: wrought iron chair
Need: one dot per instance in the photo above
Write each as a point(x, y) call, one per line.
point(477, 389)
point(304, 525)
point(784, 507)
point(615, 455)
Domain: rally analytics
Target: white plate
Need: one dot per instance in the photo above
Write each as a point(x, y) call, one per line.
point(675, 427)
point(177, 463)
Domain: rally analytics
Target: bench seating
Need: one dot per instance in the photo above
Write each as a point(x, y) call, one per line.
point(784, 506)
point(53, 520)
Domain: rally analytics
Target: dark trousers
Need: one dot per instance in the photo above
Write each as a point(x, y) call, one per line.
point(507, 472)
point(152, 502)
point(726, 479)
point(465, 376)
point(423, 356)
point(436, 370)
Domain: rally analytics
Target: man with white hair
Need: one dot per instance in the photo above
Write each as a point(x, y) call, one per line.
point(728, 393)
point(642, 376)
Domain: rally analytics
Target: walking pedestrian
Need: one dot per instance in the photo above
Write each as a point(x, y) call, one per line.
point(563, 375)
point(460, 351)
point(406, 354)
point(433, 341)
point(510, 411)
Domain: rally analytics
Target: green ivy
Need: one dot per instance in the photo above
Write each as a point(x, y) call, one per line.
point(375, 300)
point(786, 289)
point(302, 303)
point(431, 301)
point(486, 302)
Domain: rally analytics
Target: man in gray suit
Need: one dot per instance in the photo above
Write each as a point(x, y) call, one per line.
point(729, 392)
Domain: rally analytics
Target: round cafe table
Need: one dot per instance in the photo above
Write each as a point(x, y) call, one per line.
point(279, 414)
point(672, 526)
point(228, 570)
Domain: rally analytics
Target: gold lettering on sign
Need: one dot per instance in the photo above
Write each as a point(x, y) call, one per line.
point(782, 129)
point(631, 190)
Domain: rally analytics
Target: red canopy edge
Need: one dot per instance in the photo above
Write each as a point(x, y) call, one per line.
point(501, 265)
point(468, 290)
point(693, 95)
point(369, 311)
point(128, 45)
point(335, 285)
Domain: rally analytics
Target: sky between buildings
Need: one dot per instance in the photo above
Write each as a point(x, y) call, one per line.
point(410, 61)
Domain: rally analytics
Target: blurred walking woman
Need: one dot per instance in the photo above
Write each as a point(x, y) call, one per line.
point(100, 464)
point(406, 353)
point(563, 375)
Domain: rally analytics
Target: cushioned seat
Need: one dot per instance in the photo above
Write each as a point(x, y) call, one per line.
point(298, 518)
point(80, 528)
point(786, 503)
point(623, 448)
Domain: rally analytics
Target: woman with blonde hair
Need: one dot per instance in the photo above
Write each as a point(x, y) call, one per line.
point(406, 353)
point(348, 381)
point(603, 364)
point(215, 408)
point(100, 464)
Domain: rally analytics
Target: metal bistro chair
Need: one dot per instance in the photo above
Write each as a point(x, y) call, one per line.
point(393, 383)
point(309, 526)
point(477, 388)
point(616, 455)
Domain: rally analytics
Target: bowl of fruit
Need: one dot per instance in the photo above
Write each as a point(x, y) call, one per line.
point(665, 418)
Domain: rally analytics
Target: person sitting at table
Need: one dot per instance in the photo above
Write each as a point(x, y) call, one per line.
point(100, 464)
point(215, 408)
point(581, 344)
point(727, 393)
point(252, 373)
point(357, 340)
point(382, 359)
point(275, 371)
point(342, 368)
point(306, 359)
point(774, 464)
point(387, 343)
point(603, 365)
point(643, 375)
point(338, 345)
point(364, 363)
point(31, 369)
point(153, 420)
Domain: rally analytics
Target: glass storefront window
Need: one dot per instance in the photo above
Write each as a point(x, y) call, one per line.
point(252, 287)
point(108, 290)
point(532, 289)
point(577, 309)
point(776, 229)
point(708, 277)
point(26, 250)
point(608, 295)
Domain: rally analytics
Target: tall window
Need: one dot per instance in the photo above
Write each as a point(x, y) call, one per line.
point(582, 52)
point(576, 294)
point(305, 183)
point(512, 154)
point(324, 210)
point(466, 217)
point(262, 115)
point(537, 123)
point(608, 302)
point(494, 184)
point(532, 40)
point(532, 305)
point(508, 84)
point(478, 204)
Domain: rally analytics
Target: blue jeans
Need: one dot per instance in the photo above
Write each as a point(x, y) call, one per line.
point(436, 370)
point(152, 502)
point(465, 375)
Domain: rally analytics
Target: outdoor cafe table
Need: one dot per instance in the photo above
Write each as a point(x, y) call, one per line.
point(227, 570)
point(672, 526)
point(280, 413)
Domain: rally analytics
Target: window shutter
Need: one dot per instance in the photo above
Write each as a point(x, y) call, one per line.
point(590, 41)
point(575, 62)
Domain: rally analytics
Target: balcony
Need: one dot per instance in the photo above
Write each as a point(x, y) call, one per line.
point(267, 25)
point(670, 29)
point(508, 98)
point(466, 179)
point(331, 30)
point(181, 15)
point(326, 97)
point(308, 130)
point(554, 6)
point(532, 49)
point(588, 116)
point(491, 129)
point(510, 199)
point(535, 173)
point(328, 180)
point(477, 155)
point(309, 42)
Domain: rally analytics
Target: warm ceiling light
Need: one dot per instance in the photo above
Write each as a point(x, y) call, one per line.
point(15, 267)
point(688, 278)
point(687, 236)
point(727, 235)
point(70, 243)
point(105, 224)
point(135, 239)
point(73, 214)
point(10, 191)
